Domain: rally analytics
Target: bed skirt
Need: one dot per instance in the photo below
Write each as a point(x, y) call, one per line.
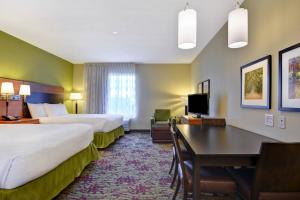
point(51, 184)
point(103, 140)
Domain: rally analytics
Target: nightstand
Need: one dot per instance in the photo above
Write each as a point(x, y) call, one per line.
point(21, 121)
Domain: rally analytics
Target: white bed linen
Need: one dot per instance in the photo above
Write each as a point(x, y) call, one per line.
point(99, 122)
point(30, 151)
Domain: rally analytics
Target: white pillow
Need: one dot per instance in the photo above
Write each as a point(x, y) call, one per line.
point(53, 110)
point(36, 110)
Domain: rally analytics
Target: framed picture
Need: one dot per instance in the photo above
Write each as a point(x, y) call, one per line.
point(289, 79)
point(256, 84)
point(200, 88)
point(206, 86)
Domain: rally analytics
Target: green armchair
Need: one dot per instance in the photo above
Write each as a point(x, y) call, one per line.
point(161, 116)
point(160, 125)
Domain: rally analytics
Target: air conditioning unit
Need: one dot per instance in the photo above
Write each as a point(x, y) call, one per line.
point(126, 124)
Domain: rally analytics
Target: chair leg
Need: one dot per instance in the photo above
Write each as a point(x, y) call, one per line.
point(185, 195)
point(174, 178)
point(173, 162)
point(175, 174)
point(177, 188)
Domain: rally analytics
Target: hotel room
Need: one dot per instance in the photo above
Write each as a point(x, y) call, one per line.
point(147, 100)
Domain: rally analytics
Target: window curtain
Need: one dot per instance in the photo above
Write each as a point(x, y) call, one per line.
point(110, 88)
point(95, 84)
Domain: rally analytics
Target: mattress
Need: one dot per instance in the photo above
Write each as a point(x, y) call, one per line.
point(99, 122)
point(29, 151)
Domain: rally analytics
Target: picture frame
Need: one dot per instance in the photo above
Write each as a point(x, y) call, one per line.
point(289, 79)
point(255, 78)
point(200, 88)
point(206, 87)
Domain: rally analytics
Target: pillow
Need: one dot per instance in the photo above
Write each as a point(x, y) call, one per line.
point(36, 110)
point(53, 110)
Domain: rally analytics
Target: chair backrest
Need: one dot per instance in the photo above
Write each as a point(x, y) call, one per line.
point(162, 114)
point(278, 169)
point(179, 158)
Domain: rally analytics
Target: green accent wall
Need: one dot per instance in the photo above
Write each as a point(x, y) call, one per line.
point(20, 60)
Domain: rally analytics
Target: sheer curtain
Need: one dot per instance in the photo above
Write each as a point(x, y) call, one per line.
point(120, 90)
point(110, 88)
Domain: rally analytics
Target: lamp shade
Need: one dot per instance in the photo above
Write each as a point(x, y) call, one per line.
point(75, 96)
point(24, 90)
point(187, 29)
point(7, 88)
point(238, 28)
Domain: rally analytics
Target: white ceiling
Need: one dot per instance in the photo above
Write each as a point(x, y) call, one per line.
point(81, 30)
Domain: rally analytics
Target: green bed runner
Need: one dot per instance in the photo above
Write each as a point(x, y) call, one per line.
point(52, 183)
point(103, 140)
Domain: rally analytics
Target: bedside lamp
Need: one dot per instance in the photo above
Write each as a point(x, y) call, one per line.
point(7, 88)
point(75, 96)
point(24, 91)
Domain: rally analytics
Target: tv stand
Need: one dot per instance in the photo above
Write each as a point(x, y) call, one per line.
point(210, 121)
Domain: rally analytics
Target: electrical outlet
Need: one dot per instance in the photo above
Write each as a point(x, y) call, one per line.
point(281, 122)
point(269, 120)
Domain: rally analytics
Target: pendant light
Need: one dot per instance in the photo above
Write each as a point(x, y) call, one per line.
point(238, 27)
point(187, 28)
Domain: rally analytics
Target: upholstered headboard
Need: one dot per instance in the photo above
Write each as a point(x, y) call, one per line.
point(40, 93)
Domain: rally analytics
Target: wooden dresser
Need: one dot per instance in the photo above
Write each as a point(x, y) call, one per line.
point(21, 121)
point(210, 121)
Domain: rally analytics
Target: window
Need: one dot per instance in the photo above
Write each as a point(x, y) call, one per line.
point(121, 94)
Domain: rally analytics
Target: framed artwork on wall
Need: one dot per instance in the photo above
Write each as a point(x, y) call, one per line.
point(289, 79)
point(206, 87)
point(200, 88)
point(256, 84)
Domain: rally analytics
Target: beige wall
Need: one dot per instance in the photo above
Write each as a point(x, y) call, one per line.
point(158, 86)
point(273, 25)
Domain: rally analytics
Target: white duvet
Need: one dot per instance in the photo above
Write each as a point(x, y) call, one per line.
point(30, 151)
point(99, 122)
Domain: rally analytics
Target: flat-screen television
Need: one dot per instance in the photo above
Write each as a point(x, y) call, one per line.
point(198, 104)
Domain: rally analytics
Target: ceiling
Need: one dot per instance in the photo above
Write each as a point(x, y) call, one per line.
point(82, 30)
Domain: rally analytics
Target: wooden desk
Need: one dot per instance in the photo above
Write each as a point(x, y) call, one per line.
point(203, 121)
point(220, 146)
point(21, 121)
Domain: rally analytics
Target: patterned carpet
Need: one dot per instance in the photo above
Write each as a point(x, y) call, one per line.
point(131, 169)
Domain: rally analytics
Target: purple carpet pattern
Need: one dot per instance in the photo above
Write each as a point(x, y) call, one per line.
point(133, 168)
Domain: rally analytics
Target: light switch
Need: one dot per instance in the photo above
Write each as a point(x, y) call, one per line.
point(281, 122)
point(269, 120)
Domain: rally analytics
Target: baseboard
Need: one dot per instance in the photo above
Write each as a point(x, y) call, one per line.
point(140, 130)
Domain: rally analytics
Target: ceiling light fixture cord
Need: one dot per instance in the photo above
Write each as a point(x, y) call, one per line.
point(187, 6)
point(238, 4)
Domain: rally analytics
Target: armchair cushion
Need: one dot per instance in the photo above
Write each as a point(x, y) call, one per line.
point(162, 114)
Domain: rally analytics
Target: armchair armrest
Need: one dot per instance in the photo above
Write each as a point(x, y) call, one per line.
point(152, 121)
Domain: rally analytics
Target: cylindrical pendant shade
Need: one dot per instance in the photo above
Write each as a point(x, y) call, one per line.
point(187, 29)
point(238, 28)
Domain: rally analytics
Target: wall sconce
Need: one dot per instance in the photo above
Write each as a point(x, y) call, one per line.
point(75, 96)
point(7, 88)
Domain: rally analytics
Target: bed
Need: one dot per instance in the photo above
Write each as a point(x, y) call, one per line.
point(107, 128)
point(39, 161)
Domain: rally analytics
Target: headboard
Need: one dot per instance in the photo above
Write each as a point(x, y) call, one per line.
point(40, 93)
